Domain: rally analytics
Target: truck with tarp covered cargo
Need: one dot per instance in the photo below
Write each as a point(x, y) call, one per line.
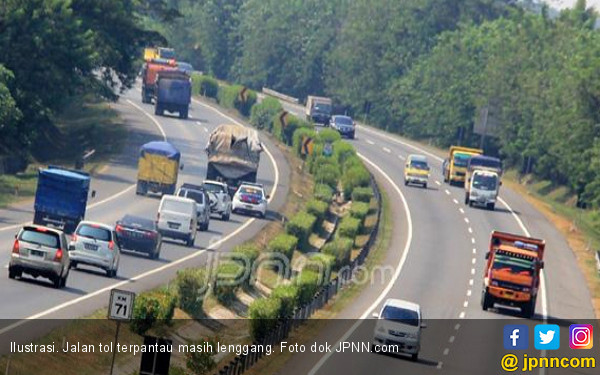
point(233, 155)
point(61, 197)
point(158, 168)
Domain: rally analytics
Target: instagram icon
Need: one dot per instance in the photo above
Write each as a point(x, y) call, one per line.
point(581, 336)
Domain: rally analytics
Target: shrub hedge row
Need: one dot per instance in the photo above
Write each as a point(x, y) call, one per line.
point(301, 225)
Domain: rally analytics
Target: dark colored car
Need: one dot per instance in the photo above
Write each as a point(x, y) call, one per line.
point(139, 234)
point(344, 125)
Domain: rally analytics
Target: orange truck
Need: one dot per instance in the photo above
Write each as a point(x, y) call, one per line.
point(150, 73)
point(512, 272)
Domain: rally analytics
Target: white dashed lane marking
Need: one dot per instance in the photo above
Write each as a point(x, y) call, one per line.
point(447, 191)
point(474, 260)
point(469, 292)
point(370, 142)
point(470, 230)
point(401, 157)
point(474, 251)
point(467, 220)
point(387, 150)
point(461, 211)
point(455, 201)
point(446, 351)
point(471, 282)
point(472, 240)
point(438, 183)
point(452, 338)
point(461, 315)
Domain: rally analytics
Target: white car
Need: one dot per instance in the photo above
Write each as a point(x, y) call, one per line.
point(95, 244)
point(178, 218)
point(398, 328)
point(220, 201)
point(250, 198)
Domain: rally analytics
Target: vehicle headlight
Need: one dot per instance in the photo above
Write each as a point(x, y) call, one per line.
point(526, 290)
point(495, 283)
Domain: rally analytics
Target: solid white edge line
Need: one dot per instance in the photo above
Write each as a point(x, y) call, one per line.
point(159, 269)
point(395, 277)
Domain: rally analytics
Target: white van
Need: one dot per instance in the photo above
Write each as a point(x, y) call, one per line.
point(178, 218)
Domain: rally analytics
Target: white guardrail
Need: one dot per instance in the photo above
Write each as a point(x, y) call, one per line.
point(287, 98)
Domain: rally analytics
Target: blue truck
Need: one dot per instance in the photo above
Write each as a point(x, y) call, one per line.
point(173, 93)
point(61, 197)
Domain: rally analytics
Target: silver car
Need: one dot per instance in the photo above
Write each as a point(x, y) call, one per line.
point(95, 244)
point(40, 251)
point(198, 194)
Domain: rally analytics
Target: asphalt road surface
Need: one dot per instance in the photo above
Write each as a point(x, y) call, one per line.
point(436, 260)
point(87, 288)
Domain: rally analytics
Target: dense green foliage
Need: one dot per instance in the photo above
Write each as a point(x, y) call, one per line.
point(284, 244)
point(323, 193)
point(262, 114)
point(308, 282)
point(152, 308)
point(349, 227)
point(205, 85)
point(318, 209)
point(288, 298)
point(362, 194)
point(53, 50)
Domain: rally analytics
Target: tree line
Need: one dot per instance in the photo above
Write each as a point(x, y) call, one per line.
point(53, 50)
point(426, 68)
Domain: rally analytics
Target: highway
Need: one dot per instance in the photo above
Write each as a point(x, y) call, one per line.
point(437, 260)
point(88, 288)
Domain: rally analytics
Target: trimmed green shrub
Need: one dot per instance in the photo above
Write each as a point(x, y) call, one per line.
point(192, 286)
point(288, 298)
point(320, 161)
point(351, 162)
point(359, 210)
point(284, 244)
point(152, 308)
point(329, 135)
point(246, 254)
point(362, 194)
point(340, 249)
point(318, 209)
point(261, 115)
point(199, 362)
point(300, 226)
point(322, 264)
point(328, 174)
point(354, 177)
point(308, 283)
point(263, 313)
point(229, 97)
point(299, 134)
point(228, 278)
point(342, 151)
point(286, 133)
point(349, 227)
point(323, 193)
point(204, 85)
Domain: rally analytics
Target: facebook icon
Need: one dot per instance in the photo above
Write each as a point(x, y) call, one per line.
point(516, 337)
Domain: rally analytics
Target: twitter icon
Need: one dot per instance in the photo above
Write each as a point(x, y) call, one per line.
point(547, 337)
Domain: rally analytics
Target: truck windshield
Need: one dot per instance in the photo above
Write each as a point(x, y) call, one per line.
point(461, 160)
point(398, 314)
point(485, 182)
point(322, 108)
point(213, 188)
point(417, 164)
point(513, 265)
point(485, 163)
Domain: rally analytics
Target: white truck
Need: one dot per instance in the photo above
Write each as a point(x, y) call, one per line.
point(483, 189)
point(318, 110)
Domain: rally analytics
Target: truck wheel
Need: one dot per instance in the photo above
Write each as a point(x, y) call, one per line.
point(183, 113)
point(425, 185)
point(140, 188)
point(225, 216)
point(415, 357)
point(528, 309)
point(405, 182)
point(190, 241)
point(158, 110)
point(466, 198)
point(486, 301)
point(491, 206)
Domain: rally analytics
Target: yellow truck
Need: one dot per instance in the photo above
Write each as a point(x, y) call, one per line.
point(455, 167)
point(158, 168)
point(150, 53)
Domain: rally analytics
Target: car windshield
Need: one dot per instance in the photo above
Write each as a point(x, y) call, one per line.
point(176, 206)
point(97, 233)
point(485, 182)
point(418, 164)
point(252, 191)
point(213, 188)
point(343, 120)
point(461, 160)
point(401, 315)
point(518, 266)
point(138, 222)
point(49, 239)
point(322, 107)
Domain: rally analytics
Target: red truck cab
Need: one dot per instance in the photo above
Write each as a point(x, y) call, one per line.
point(512, 272)
point(150, 73)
